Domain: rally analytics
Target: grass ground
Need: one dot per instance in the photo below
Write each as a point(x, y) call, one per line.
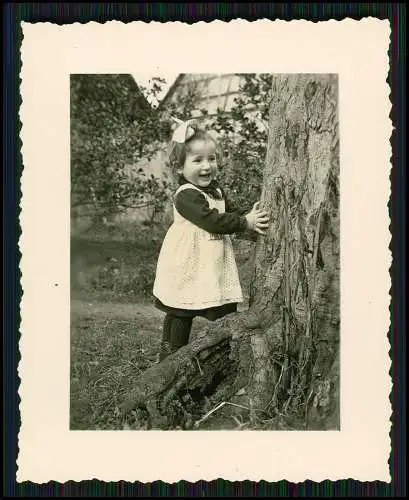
point(111, 344)
point(115, 329)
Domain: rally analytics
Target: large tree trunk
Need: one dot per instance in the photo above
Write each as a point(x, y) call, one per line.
point(280, 358)
point(294, 299)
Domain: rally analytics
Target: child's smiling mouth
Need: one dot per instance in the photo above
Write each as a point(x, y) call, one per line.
point(205, 177)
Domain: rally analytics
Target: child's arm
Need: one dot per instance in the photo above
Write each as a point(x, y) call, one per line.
point(193, 206)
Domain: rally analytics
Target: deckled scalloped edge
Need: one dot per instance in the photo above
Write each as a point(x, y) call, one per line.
point(392, 127)
point(264, 20)
point(348, 20)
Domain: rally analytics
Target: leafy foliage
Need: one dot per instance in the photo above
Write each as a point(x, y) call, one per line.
point(113, 127)
point(243, 140)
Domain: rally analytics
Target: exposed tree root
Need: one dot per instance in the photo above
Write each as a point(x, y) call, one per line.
point(171, 390)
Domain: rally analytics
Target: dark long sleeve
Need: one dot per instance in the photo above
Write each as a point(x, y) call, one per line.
point(193, 206)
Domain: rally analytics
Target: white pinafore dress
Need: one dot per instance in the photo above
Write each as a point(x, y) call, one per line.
point(196, 269)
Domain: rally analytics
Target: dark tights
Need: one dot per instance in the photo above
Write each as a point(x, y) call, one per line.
point(176, 333)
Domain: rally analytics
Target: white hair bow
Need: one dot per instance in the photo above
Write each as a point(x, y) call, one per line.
point(183, 131)
point(186, 129)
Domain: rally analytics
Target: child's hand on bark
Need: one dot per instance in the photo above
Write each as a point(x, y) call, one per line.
point(257, 220)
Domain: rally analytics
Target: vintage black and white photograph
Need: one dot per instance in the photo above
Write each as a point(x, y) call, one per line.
point(205, 251)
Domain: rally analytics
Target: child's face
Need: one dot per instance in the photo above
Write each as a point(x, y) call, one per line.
point(200, 165)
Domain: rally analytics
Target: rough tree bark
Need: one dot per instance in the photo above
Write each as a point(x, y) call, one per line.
point(279, 358)
point(294, 299)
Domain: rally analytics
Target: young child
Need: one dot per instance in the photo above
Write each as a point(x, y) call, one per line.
point(196, 272)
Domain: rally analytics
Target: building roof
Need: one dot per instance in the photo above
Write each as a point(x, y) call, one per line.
point(215, 91)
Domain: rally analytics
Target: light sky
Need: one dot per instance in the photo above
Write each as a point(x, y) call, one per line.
point(143, 79)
